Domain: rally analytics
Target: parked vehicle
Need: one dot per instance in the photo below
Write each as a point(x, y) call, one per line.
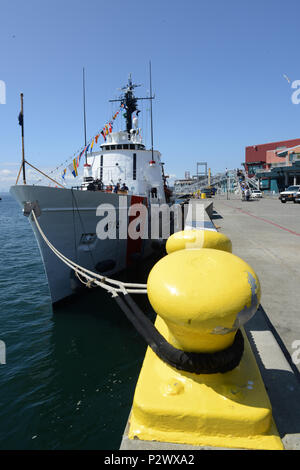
point(297, 197)
point(256, 193)
point(289, 194)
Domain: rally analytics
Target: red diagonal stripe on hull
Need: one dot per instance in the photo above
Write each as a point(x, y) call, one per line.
point(133, 246)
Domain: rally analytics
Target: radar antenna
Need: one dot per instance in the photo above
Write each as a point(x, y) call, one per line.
point(129, 102)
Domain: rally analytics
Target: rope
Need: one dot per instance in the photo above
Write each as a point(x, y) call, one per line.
point(197, 363)
point(97, 279)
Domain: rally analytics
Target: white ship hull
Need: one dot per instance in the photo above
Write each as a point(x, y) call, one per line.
point(68, 219)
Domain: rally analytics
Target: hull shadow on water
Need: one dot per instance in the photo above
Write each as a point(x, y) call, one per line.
point(97, 356)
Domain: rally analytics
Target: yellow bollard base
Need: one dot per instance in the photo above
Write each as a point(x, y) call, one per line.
point(229, 410)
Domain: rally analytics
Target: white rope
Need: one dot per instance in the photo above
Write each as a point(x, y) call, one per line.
point(90, 276)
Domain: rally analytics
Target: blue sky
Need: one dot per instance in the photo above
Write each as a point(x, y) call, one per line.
point(217, 72)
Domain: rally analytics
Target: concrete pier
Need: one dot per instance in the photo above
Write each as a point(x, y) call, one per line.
point(265, 233)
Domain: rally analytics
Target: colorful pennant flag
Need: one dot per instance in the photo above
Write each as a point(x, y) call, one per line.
point(80, 155)
point(73, 168)
point(108, 128)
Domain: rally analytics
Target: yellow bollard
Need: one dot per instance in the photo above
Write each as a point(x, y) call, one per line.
point(202, 296)
point(198, 239)
point(203, 196)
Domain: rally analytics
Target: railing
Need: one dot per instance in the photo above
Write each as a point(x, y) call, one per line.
point(201, 184)
point(262, 171)
point(228, 180)
point(217, 180)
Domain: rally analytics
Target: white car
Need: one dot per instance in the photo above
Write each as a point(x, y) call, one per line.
point(289, 194)
point(256, 193)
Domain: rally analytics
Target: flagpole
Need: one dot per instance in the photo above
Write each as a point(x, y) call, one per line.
point(84, 113)
point(21, 122)
point(151, 109)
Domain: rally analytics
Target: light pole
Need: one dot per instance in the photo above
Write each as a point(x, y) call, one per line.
point(227, 194)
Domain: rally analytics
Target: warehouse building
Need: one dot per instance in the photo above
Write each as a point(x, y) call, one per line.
point(276, 164)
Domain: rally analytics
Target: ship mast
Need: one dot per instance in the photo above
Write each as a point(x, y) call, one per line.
point(84, 112)
point(151, 110)
point(129, 102)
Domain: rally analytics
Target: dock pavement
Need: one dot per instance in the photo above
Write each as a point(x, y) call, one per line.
point(266, 234)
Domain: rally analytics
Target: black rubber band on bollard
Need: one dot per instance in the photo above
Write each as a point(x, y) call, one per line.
point(197, 363)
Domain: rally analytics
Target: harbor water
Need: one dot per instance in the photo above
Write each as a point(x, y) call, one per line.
point(70, 375)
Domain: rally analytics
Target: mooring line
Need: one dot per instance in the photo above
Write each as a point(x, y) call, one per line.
point(91, 276)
